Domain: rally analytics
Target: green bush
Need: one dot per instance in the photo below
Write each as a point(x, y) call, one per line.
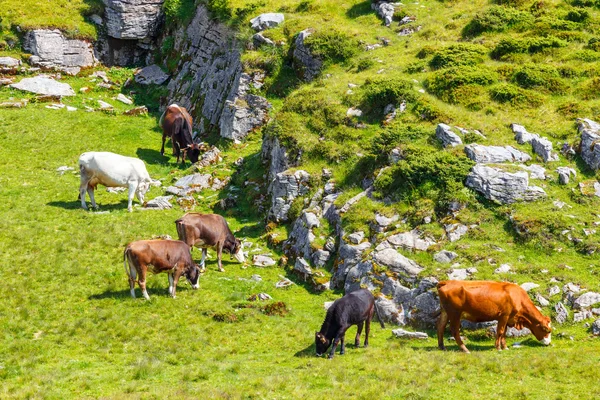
point(427, 111)
point(220, 9)
point(538, 77)
point(332, 46)
point(590, 89)
point(444, 83)
point(378, 92)
point(577, 15)
point(497, 19)
point(179, 11)
point(315, 104)
point(527, 45)
point(515, 96)
point(594, 44)
point(457, 55)
point(392, 137)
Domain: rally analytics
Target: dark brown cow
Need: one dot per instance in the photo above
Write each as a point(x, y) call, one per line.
point(482, 301)
point(176, 123)
point(170, 256)
point(209, 230)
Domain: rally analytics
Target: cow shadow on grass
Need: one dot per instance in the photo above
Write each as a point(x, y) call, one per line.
point(125, 294)
point(152, 156)
point(309, 351)
point(76, 205)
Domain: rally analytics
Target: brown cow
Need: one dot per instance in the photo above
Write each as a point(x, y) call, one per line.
point(481, 301)
point(209, 230)
point(170, 256)
point(176, 123)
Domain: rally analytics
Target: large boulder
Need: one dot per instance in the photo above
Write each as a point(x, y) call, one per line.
point(45, 86)
point(587, 300)
point(495, 154)
point(132, 19)
point(501, 186)
point(9, 62)
point(284, 189)
point(307, 65)
point(543, 148)
point(52, 50)
point(266, 21)
point(590, 142)
point(448, 138)
point(151, 75)
point(521, 134)
point(412, 240)
point(385, 11)
point(348, 257)
point(398, 263)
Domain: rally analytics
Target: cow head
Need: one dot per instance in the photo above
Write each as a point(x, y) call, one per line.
point(142, 188)
point(193, 276)
point(542, 330)
point(321, 343)
point(193, 152)
point(237, 251)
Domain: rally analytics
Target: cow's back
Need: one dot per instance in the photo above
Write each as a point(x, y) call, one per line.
point(161, 250)
point(113, 169)
point(207, 228)
point(353, 307)
point(478, 299)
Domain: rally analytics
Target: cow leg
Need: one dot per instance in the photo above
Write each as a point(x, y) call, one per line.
point(455, 329)
point(358, 332)
point(162, 149)
point(343, 343)
point(170, 283)
point(219, 255)
point(176, 276)
point(132, 275)
point(142, 282)
point(82, 190)
point(367, 330)
point(336, 340)
point(90, 191)
point(203, 260)
point(500, 333)
point(441, 326)
point(132, 187)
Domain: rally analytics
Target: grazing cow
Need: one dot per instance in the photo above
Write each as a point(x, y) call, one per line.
point(170, 256)
point(209, 230)
point(354, 308)
point(112, 170)
point(482, 301)
point(176, 123)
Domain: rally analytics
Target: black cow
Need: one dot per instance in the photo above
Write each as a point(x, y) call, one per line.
point(353, 309)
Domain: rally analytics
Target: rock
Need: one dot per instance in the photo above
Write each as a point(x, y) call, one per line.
point(51, 49)
point(348, 257)
point(455, 231)
point(510, 331)
point(6, 81)
point(562, 314)
point(590, 142)
point(14, 104)
point(160, 203)
point(187, 202)
point(582, 316)
point(151, 75)
point(354, 112)
point(446, 136)
point(55, 106)
point(390, 312)
point(320, 257)
point(564, 175)
point(132, 19)
point(211, 156)
point(96, 19)
point(141, 110)
point(503, 269)
point(71, 109)
point(445, 256)
point(308, 66)
point(553, 290)
point(384, 221)
point(542, 300)
point(535, 171)
point(596, 328)
point(588, 188)
point(9, 62)
point(260, 260)
point(356, 237)
point(302, 267)
point(521, 134)
point(395, 156)
point(495, 154)
point(123, 99)
point(104, 106)
point(283, 283)
point(527, 286)
point(359, 276)
point(301, 237)
point(503, 187)
point(458, 274)
point(396, 262)
point(587, 300)
point(571, 287)
point(410, 241)
point(44, 85)
point(543, 148)
point(408, 32)
point(353, 201)
point(401, 333)
point(424, 311)
point(385, 11)
point(259, 40)
point(266, 21)
point(284, 189)
point(260, 296)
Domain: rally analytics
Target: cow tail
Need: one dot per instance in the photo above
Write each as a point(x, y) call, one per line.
point(378, 315)
point(125, 261)
point(162, 117)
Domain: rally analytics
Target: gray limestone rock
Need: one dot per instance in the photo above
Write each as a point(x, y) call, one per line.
point(503, 269)
point(582, 315)
point(259, 40)
point(398, 263)
point(445, 256)
point(52, 50)
point(448, 138)
point(261, 260)
point(564, 174)
point(194, 180)
point(502, 187)
point(151, 75)
point(300, 238)
point(356, 237)
point(424, 311)
point(320, 257)
point(458, 274)
point(275, 156)
point(266, 21)
point(9, 62)
point(553, 290)
point(160, 203)
point(586, 300)
point(284, 189)
point(495, 154)
point(385, 10)
point(562, 314)
point(401, 333)
point(411, 241)
point(308, 66)
point(132, 19)
point(542, 300)
point(527, 286)
point(390, 311)
point(590, 142)
point(44, 85)
point(510, 331)
point(348, 257)
point(358, 276)
point(521, 134)
point(596, 328)
point(302, 266)
point(535, 171)
point(455, 231)
point(543, 148)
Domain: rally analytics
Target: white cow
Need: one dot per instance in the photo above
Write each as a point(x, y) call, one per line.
point(112, 170)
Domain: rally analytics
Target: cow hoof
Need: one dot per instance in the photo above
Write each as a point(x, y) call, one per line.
point(330, 357)
point(221, 270)
point(357, 345)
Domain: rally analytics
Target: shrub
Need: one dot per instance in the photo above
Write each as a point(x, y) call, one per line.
point(515, 96)
point(590, 89)
point(332, 45)
point(220, 9)
point(594, 44)
point(577, 15)
point(364, 64)
point(497, 19)
point(392, 137)
point(457, 55)
point(379, 92)
point(535, 76)
point(528, 45)
point(444, 83)
point(315, 104)
point(179, 11)
point(428, 111)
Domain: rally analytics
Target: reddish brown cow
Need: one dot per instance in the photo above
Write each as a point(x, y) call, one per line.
point(209, 230)
point(176, 123)
point(170, 256)
point(481, 301)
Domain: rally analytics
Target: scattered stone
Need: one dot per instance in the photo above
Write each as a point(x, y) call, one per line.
point(374, 46)
point(259, 40)
point(71, 109)
point(266, 21)
point(384, 221)
point(503, 269)
point(44, 85)
point(14, 104)
point(554, 290)
point(256, 278)
point(9, 62)
point(64, 169)
point(562, 314)
point(211, 156)
point(410, 241)
point(283, 283)
point(141, 110)
point(55, 106)
point(472, 270)
point(590, 142)
point(495, 154)
point(187, 202)
point(571, 287)
point(535, 171)
point(590, 188)
point(408, 32)
point(527, 286)
point(582, 316)
point(151, 75)
point(446, 136)
point(104, 106)
point(543, 148)
point(586, 300)
point(542, 300)
point(260, 260)
point(398, 263)
point(521, 134)
point(385, 11)
point(356, 237)
point(455, 231)
point(260, 296)
point(503, 187)
point(401, 333)
point(353, 112)
point(160, 203)
point(124, 99)
point(510, 331)
point(564, 174)
point(458, 274)
point(302, 266)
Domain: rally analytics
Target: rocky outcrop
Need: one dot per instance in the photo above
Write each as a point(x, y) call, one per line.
point(590, 142)
point(284, 189)
point(275, 156)
point(51, 49)
point(445, 135)
point(503, 187)
point(151, 75)
point(543, 148)
point(413, 240)
point(398, 263)
point(307, 65)
point(9, 62)
point(266, 21)
point(348, 257)
point(521, 134)
point(208, 73)
point(299, 242)
point(132, 19)
point(565, 174)
point(245, 113)
point(495, 154)
point(45, 86)
point(385, 10)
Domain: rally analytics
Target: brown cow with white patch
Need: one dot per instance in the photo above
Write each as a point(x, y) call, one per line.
point(482, 301)
point(170, 256)
point(209, 230)
point(176, 123)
